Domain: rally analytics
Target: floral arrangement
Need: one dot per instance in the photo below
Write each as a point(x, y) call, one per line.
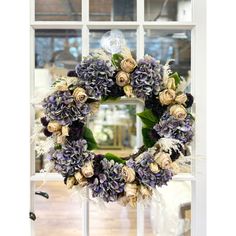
point(167, 125)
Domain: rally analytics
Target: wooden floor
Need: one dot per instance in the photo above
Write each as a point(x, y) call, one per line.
point(60, 215)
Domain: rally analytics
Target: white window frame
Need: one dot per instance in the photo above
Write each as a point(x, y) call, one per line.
point(198, 87)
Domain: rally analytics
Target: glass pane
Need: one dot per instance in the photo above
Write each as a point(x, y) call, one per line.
point(112, 10)
point(172, 10)
point(116, 134)
point(113, 219)
point(60, 214)
point(57, 10)
point(129, 35)
point(168, 215)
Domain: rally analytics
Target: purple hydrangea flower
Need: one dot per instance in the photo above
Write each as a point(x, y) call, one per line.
point(146, 79)
point(71, 158)
point(60, 106)
point(144, 173)
point(170, 127)
point(95, 76)
point(109, 183)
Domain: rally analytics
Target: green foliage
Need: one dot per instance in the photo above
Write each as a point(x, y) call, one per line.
point(88, 136)
point(148, 118)
point(147, 140)
point(116, 59)
point(176, 77)
point(57, 146)
point(110, 156)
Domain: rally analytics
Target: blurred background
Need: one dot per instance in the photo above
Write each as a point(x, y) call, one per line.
point(114, 126)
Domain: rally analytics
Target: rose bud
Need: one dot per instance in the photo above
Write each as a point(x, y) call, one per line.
point(61, 139)
point(171, 83)
point(154, 168)
point(128, 64)
point(167, 96)
point(178, 111)
point(61, 86)
point(174, 167)
point(70, 182)
point(145, 192)
point(181, 98)
point(163, 160)
point(87, 169)
point(80, 95)
point(128, 91)
point(131, 190)
point(122, 78)
point(133, 201)
point(128, 174)
point(53, 126)
point(65, 130)
point(81, 179)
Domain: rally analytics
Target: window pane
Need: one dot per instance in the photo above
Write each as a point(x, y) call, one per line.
point(57, 10)
point(164, 10)
point(112, 10)
point(129, 35)
point(168, 215)
point(60, 214)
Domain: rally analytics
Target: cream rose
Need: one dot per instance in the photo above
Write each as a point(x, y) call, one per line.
point(163, 160)
point(178, 111)
point(53, 126)
point(81, 179)
point(154, 168)
point(145, 192)
point(87, 169)
point(80, 95)
point(122, 78)
point(70, 182)
point(61, 86)
point(181, 98)
point(65, 130)
point(131, 190)
point(171, 83)
point(128, 174)
point(128, 64)
point(128, 90)
point(167, 96)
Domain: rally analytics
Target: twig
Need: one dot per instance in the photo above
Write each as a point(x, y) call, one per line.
point(133, 156)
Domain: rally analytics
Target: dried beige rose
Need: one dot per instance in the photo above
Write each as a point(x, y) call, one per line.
point(128, 174)
point(70, 182)
point(61, 139)
point(80, 95)
point(61, 86)
point(65, 130)
point(131, 190)
point(133, 202)
point(87, 169)
point(122, 78)
point(171, 83)
point(81, 179)
point(154, 167)
point(145, 192)
point(167, 96)
point(128, 90)
point(178, 111)
point(163, 160)
point(53, 126)
point(128, 64)
point(181, 98)
point(123, 200)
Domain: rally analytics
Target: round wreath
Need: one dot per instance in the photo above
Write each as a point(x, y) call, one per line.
point(167, 125)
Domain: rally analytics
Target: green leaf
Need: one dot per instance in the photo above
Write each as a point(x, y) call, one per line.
point(147, 140)
point(57, 146)
point(116, 59)
point(148, 118)
point(176, 77)
point(110, 156)
point(88, 136)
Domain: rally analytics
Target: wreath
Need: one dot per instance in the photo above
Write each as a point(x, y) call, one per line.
point(167, 125)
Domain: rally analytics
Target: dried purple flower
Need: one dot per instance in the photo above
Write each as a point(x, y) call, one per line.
point(75, 131)
point(95, 76)
point(170, 127)
point(146, 79)
point(109, 184)
point(144, 173)
point(71, 157)
point(60, 106)
point(46, 132)
point(189, 101)
point(44, 121)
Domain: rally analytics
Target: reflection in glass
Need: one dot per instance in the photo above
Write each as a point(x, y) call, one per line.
point(169, 44)
point(112, 10)
point(129, 35)
point(114, 128)
point(57, 10)
point(60, 214)
point(168, 10)
point(168, 215)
